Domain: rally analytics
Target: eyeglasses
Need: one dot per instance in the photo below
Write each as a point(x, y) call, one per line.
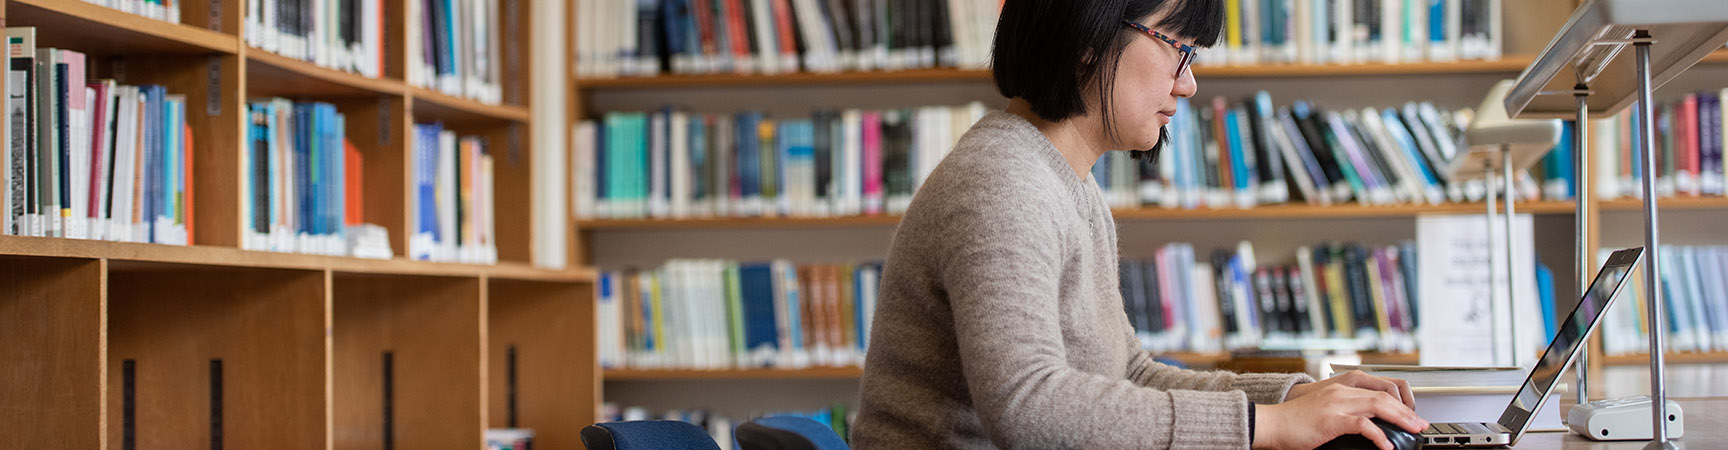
point(1187, 50)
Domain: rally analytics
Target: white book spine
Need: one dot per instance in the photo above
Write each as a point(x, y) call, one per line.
point(680, 168)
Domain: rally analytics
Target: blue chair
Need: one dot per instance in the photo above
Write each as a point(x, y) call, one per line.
point(647, 435)
point(787, 433)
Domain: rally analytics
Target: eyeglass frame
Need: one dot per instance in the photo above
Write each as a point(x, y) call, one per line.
point(1188, 51)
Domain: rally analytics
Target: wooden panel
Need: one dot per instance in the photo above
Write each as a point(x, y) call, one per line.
point(395, 39)
point(1295, 211)
point(551, 328)
point(88, 27)
point(230, 257)
point(516, 21)
point(267, 326)
point(269, 74)
point(432, 326)
point(430, 105)
point(375, 126)
point(215, 173)
point(51, 337)
point(1666, 204)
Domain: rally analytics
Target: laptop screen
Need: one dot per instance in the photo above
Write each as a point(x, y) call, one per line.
point(1574, 330)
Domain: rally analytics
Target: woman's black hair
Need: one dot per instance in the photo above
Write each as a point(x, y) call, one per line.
point(1046, 51)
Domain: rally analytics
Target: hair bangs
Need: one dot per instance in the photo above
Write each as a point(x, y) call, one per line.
point(1200, 20)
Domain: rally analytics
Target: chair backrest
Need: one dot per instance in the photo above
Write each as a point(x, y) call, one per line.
point(787, 433)
point(647, 435)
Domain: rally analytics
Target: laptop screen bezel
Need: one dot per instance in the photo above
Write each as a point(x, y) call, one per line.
point(1515, 418)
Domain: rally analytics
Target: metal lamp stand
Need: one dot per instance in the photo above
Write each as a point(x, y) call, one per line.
point(1506, 189)
point(1641, 41)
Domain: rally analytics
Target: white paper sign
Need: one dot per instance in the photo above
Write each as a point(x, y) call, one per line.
point(1466, 321)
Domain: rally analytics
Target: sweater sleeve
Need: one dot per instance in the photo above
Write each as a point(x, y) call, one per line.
point(1001, 267)
point(1261, 388)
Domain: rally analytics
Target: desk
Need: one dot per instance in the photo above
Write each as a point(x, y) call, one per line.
point(1706, 428)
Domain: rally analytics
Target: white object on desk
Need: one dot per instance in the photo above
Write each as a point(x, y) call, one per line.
point(1623, 419)
point(1455, 256)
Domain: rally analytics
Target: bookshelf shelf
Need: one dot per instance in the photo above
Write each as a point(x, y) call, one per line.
point(230, 257)
point(1671, 203)
point(738, 222)
point(271, 74)
point(1298, 212)
point(92, 28)
point(433, 105)
point(1507, 65)
point(820, 373)
point(1672, 358)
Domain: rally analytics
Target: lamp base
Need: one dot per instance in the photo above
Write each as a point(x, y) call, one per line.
point(1665, 445)
point(1623, 419)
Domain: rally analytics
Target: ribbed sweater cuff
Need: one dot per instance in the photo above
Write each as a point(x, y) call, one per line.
point(1268, 388)
point(1209, 420)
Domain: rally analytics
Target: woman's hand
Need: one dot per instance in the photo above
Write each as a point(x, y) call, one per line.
point(1329, 410)
point(1399, 389)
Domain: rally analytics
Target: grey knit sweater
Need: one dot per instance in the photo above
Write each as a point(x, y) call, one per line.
point(1001, 325)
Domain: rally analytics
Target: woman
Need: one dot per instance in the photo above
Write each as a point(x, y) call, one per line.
point(1000, 323)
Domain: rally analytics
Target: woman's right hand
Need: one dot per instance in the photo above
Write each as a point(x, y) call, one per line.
point(1335, 410)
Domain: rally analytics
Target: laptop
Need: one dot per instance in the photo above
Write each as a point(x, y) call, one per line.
point(1560, 353)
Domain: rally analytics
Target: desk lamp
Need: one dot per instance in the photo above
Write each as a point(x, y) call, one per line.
point(1583, 61)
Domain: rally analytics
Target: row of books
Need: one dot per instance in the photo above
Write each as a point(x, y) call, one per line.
point(1366, 297)
point(454, 197)
point(345, 35)
point(1241, 154)
point(1356, 31)
point(302, 180)
point(1688, 149)
point(456, 46)
point(838, 417)
point(673, 163)
point(168, 10)
point(717, 314)
point(1695, 300)
point(91, 158)
point(652, 37)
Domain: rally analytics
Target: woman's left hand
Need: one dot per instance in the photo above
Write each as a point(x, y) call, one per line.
point(1399, 389)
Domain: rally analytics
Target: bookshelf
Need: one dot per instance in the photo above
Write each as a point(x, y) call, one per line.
point(1509, 65)
point(104, 338)
point(1293, 212)
point(820, 373)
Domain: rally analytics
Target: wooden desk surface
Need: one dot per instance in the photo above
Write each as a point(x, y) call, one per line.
point(1706, 428)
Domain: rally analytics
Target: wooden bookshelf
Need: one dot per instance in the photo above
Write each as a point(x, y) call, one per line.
point(93, 28)
point(434, 105)
point(816, 373)
point(232, 257)
point(300, 337)
point(271, 74)
point(1274, 212)
point(1510, 65)
point(1667, 204)
point(1671, 358)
